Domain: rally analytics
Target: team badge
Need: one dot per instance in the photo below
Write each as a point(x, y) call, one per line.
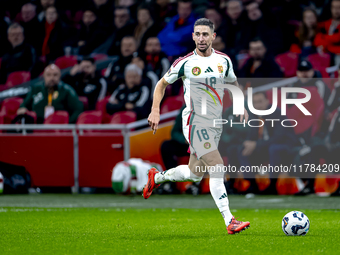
point(220, 68)
point(196, 70)
point(169, 71)
point(55, 95)
point(207, 145)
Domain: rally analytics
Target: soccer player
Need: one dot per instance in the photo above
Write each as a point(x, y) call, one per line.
point(212, 67)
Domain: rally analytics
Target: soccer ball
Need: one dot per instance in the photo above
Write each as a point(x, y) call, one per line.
point(295, 223)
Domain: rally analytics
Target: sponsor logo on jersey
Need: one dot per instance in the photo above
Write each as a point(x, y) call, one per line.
point(220, 68)
point(196, 70)
point(207, 145)
point(209, 70)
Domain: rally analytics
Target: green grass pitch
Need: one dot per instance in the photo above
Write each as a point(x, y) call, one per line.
point(108, 224)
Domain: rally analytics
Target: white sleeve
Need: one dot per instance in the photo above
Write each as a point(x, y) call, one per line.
point(175, 72)
point(230, 75)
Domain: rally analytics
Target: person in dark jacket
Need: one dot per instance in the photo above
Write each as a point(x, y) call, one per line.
point(131, 96)
point(155, 59)
point(21, 56)
point(31, 25)
point(260, 64)
point(308, 77)
point(123, 26)
point(115, 71)
point(91, 34)
point(55, 35)
point(52, 95)
point(87, 82)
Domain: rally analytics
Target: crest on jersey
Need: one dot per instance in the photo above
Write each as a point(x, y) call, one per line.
point(207, 145)
point(169, 71)
point(196, 70)
point(220, 68)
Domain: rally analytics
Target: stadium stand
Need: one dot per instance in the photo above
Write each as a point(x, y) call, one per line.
point(116, 35)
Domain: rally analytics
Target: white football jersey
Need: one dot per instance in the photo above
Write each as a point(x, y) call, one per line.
point(200, 76)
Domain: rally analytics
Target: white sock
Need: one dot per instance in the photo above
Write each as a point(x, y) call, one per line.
point(219, 193)
point(180, 173)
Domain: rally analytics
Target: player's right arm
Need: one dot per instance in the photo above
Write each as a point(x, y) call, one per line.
point(175, 72)
point(158, 95)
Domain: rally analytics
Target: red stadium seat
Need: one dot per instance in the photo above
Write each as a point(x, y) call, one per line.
point(59, 117)
point(288, 62)
point(66, 61)
point(99, 56)
point(17, 78)
point(3, 87)
point(85, 102)
point(101, 106)
point(320, 61)
point(90, 117)
point(103, 72)
point(9, 109)
point(171, 104)
point(123, 117)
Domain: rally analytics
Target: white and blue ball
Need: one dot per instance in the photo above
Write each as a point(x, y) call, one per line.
point(295, 223)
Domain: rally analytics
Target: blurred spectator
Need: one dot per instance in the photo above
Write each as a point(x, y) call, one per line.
point(104, 11)
point(176, 38)
point(306, 33)
point(3, 35)
point(145, 27)
point(87, 82)
point(177, 146)
point(268, 30)
point(149, 78)
point(327, 40)
point(237, 32)
point(123, 26)
point(131, 96)
point(32, 26)
point(165, 11)
point(51, 95)
point(309, 77)
point(55, 34)
point(45, 4)
point(115, 71)
point(155, 59)
point(21, 56)
point(92, 33)
point(269, 142)
point(334, 99)
point(220, 28)
point(260, 64)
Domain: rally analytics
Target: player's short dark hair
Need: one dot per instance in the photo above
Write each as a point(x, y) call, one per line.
point(205, 22)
